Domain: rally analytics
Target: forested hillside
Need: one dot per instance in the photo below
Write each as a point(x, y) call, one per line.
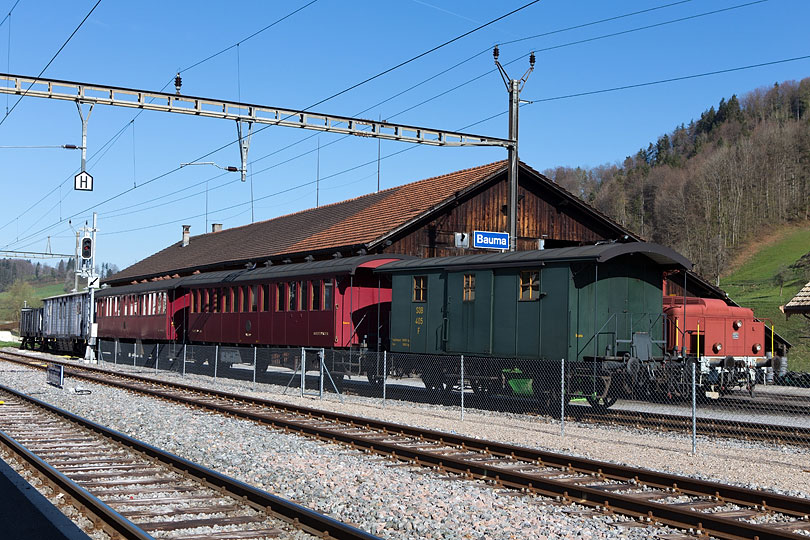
point(708, 187)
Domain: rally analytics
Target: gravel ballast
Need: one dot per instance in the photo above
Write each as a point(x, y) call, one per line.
point(401, 501)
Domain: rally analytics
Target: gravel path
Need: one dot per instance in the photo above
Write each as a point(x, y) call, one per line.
point(380, 496)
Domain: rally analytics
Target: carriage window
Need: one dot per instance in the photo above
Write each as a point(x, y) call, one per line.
point(419, 288)
point(280, 297)
point(227, 300)
point(529, 285)
point(241, 301)
point(469, 287)
point(328, 288)
point(316, 295)
point(254, 298)
point(265, 297)
point(304, 295)
point(293, 287)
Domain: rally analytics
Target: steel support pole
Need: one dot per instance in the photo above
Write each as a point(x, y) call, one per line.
point(385, 373)
point(184, 359)
point(694, 408)
point(320, 379)
point(216, 361)
point(157, 357)
point(562, 397)
point(303, 369)
point(461, 385)
point(115, 353)
point(254, 366)
point(512, 173)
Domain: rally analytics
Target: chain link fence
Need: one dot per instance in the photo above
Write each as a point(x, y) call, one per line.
point(700, 399)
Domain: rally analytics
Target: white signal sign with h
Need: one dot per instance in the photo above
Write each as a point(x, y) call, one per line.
point(83, 181)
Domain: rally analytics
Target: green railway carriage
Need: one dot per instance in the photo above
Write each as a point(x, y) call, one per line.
point(533, 307)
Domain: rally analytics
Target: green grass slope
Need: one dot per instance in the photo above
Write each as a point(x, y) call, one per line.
point(40, 291)
point(752, 285)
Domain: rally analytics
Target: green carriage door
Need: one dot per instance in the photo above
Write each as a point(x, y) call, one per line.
point(529, 296)
point(468, 312)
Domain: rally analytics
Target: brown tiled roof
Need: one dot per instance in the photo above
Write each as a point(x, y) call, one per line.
point(799, 303)
point(348, 223)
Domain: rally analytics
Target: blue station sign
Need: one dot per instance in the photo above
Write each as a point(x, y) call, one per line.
point(490, 240)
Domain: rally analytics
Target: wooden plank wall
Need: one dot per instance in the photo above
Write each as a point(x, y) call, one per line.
point(540, 213)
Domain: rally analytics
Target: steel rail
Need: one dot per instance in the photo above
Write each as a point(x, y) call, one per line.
point(505, 464)
point(113, 521)
point(303, 517)
point(715, 427)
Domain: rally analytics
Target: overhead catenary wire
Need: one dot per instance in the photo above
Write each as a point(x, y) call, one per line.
point(135, 117)
point(334, 95)
point(460, 85)
point(51, 60)
point(483, 120)
point(579, 26)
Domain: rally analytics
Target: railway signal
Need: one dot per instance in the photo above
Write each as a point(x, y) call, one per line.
point(87, 248)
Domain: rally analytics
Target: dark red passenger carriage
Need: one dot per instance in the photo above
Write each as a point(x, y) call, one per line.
point(144, 311)
point(337, 303)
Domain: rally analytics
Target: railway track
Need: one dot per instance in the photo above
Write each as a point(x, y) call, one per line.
point(701, 507)
point(710, 427)
point(132, 490)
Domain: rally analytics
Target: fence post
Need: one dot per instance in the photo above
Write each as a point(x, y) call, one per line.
point(254, 367)
point(134, 354)
point(385, 373)
point(320, 379)
point(562, 397)
point(115, 353)
point(157, 357)
point(461, 385)
point(303, 369)
point(184, 359)
point(694, 408)
point(216, 361)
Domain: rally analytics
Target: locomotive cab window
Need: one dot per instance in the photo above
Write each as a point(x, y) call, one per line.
point(529, 285)
point(469, 287)
point(420, 288)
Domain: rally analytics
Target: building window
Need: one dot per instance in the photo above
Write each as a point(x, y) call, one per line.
point(328, 288)
point(529, 285)
point(420, 288)
point(280, 297)
point(316, 295)
point(469, 287)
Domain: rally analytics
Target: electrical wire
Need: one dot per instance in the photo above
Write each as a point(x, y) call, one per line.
point(483, 120)
point(51, 60)
point(116, 136)
point(486, 119)
point(583, 25)
point(8, 15)
point(373, 77)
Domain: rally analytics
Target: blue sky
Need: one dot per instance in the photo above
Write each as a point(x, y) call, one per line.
point(323, 49)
